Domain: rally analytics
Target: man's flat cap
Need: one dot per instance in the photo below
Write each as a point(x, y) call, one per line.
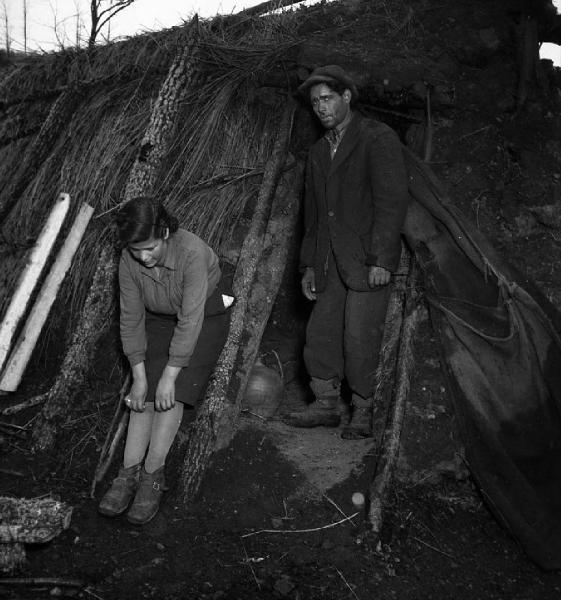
point(329, 74)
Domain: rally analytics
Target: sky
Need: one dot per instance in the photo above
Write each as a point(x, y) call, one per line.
point(52, 22)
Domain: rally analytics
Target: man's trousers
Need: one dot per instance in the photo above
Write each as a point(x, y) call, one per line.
point(344, 333)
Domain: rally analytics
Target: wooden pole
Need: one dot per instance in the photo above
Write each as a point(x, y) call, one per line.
point(31, 273)
point(28, 337)
point(214, 424)
point(380, 486)
point(115, 433)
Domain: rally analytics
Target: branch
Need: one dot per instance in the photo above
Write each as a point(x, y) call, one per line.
point(265, 7)
point(113, 10)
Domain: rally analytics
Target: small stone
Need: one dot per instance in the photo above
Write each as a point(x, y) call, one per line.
point(489, 38)
point(160, 546)
point(56, 591)
point(284, 585)
point(276, 522)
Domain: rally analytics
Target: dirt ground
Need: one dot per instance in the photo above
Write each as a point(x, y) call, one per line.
point(262, 526)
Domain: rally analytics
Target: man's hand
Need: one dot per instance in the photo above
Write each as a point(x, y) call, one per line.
point(136, 398)
point(165, 392)
point(309, 283)
point(378, 276)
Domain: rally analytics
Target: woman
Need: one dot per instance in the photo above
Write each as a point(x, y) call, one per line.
point(173, 325)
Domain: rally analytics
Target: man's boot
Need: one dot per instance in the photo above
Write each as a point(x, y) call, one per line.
point(324, 411)
point(122, 491)
point(361, 420)
point(147, 500)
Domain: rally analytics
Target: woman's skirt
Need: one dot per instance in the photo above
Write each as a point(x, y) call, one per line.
point(192, 380)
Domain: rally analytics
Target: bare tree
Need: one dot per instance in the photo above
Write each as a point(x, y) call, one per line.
point(102, 11)
point(79, 23)
point(6, 27)
point(57, 26)
point(25, 26)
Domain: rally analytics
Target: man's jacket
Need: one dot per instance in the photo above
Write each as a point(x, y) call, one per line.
point(355, 203)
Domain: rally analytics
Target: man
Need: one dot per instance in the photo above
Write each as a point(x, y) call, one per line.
point(355, 203)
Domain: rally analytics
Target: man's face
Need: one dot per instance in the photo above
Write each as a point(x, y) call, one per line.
point(330, 107)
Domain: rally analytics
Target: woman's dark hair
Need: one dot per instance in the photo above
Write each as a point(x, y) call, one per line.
point(142, 218)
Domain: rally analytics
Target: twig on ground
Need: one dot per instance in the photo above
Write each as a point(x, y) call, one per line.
point(93, 594)
point(301, 530)
point(6, 430)
point(346, 583)
point(12, 472)
point(13, 425)
point(480, 130)
point(248, 563)
point(248, 412)
point(333, 503)
point(83, 439)
point(432, 547)
point(11, 410)
point(36, 581)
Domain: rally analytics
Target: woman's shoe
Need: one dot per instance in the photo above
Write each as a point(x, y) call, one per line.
point(147, 500)
point(122, 491)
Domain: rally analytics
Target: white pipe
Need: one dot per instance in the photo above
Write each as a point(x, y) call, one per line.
point(30, 274)
point(28, 337)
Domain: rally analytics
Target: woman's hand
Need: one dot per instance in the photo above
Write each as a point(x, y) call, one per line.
point(136, 399)
point(165, 392)
point(378, 276)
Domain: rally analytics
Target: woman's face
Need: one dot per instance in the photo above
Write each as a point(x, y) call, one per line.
point(149, 253)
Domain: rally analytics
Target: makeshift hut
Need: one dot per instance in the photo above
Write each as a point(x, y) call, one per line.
point(205, 116)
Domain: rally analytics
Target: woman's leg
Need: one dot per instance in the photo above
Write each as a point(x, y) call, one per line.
point(125, 485)
point(164, 429)
point(152, 478)
point(138, 435)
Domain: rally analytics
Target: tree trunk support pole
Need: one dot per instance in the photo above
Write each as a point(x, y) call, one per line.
point(214, 425)
point(381, 484)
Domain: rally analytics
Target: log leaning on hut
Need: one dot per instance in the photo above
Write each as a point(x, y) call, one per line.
point(257, 280)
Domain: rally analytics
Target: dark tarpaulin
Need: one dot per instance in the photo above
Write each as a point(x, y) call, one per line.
point(501, 353)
